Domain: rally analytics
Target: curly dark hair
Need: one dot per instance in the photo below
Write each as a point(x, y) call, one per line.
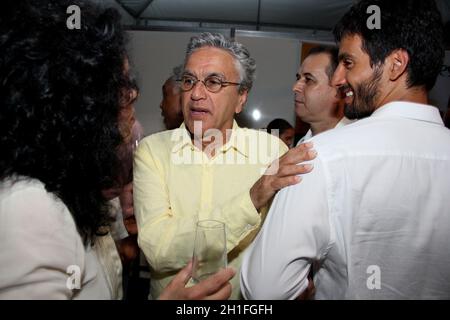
point(413, 25)
point(61, 93)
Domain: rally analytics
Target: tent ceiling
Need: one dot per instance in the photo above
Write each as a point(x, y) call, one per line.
point(311, 14)
point(302, 14)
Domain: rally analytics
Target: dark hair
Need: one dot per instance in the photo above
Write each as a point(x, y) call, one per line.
point(411, 25)
point(61, 93)
point(278, 124)
point(332, 52)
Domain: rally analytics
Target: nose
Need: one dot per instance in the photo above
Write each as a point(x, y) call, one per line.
point(339, 75)
point(298, 86)
point(198, 92)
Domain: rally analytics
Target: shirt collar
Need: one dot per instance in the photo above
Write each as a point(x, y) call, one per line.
point(236, 142)
point(343, 122)
point(410, 110)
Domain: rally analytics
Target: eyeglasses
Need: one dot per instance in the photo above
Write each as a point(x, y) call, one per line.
point(212, 83)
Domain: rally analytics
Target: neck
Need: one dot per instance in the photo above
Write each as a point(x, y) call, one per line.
point(213, 140)
point(321, 126)
point(401, 93)
point(330, 121)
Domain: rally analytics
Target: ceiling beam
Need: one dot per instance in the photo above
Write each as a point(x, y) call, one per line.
point(230, 24)
point(259, 15)
point(144, 7)
point(130, 12)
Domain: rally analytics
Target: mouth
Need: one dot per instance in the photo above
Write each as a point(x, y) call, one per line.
point(298, 100)
point(199, 111)
point(347, 94)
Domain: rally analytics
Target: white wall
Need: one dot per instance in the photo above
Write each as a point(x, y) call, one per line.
point(155, 53)
point(277, 61)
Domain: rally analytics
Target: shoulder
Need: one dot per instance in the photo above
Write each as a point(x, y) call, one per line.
point(27, 205)
point(41, 240)
point(163, 141)
point(26, 196)
point(261, 137)
point(340, 139)
point(161, 137)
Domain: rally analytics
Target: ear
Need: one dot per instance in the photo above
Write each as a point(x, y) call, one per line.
point(398, 63)
point(241, 101)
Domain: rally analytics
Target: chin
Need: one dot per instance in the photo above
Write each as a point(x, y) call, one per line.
point(192, 123)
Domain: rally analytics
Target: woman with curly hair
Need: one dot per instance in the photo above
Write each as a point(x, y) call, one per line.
point(65, 109)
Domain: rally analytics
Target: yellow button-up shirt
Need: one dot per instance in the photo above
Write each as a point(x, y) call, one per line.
point(176, 184)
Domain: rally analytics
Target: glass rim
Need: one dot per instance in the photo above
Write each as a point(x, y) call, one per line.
point(210, 224)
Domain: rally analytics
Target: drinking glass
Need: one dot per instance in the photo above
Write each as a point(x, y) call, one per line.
point(210, 252)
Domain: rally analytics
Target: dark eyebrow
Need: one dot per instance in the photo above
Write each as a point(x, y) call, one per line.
point(344, 55)
point(309, 75)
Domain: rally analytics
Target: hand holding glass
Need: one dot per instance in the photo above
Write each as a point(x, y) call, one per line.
point(210, 252)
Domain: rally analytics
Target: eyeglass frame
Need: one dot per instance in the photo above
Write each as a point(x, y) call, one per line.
point(197, 80)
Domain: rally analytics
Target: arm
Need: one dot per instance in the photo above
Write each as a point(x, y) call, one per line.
point(282, 173)
point(165, 236)
point(296, 233)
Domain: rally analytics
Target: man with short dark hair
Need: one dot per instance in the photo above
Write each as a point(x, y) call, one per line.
point(316, 100)
point(372, 219)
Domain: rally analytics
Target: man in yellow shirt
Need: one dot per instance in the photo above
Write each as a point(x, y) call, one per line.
point(209, 168)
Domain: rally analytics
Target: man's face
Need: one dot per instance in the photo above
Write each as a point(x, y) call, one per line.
point(212, 110)
point(171, 105)
point(315, 97)
point(359, 84)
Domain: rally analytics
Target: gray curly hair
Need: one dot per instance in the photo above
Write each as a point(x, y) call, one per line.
point(245, 65)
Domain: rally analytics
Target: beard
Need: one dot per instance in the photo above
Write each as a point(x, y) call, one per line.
point(365, 96)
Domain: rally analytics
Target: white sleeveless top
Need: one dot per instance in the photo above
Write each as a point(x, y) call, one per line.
point(42, 254)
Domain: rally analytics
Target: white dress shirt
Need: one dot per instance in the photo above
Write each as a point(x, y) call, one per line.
point(373, 216)
point(343, 122)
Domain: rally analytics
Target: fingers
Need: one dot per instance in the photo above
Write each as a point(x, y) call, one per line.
point(298, 154)
point(184, 275)
point(223, 294)
point(176, 288)
point(294, 169)
point(289, 175)
point(309, 292)
point(280, 183)
point(216, 282)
